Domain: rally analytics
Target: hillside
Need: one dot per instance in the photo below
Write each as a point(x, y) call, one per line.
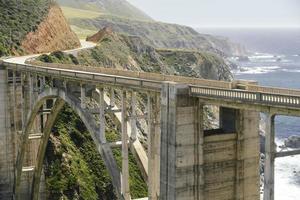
point(85, 20)
point(33, 27)
point(120, 8)
point(132, 53)
point(75, 170)
point(158, 34)
point(54, 33)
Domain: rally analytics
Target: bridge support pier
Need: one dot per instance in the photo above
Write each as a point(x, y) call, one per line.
point(270, 149)
point(211, 165)
point(7, 143)
point(181, 175)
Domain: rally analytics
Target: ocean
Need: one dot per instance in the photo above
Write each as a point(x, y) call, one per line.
point(274, 60)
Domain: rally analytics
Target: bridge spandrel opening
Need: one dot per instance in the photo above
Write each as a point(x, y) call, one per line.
point(281, 156)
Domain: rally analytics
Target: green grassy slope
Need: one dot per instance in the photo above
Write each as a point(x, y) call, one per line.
point(74, 168)
point(112, 7)
point(17, 19)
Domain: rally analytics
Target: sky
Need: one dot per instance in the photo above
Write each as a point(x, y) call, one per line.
point(224, 13)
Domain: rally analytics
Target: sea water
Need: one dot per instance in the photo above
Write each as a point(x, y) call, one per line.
point(274, 60)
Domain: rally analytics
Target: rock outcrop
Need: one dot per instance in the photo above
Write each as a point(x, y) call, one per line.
point(292, 142)
point(132, 53)
point(52, 34)
point(99, 35)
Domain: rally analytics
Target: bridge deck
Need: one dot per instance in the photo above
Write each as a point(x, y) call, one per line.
point(202, 88)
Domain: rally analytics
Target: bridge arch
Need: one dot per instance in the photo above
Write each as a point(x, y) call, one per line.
point(61, 97)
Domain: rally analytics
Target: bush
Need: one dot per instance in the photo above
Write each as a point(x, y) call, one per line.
point(45, 58)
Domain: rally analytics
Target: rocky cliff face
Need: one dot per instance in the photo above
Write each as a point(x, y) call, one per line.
point(52, 34)
point(99, 35)
point(33, 27)
point(132, 53)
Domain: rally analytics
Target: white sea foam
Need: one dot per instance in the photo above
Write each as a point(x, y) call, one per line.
point(267, 58)
point(287, 176)
point(291, 70)
point(257, 70)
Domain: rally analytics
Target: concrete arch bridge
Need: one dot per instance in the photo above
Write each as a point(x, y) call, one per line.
point(182, 161)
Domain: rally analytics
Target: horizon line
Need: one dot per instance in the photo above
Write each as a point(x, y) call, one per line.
point(257, 27)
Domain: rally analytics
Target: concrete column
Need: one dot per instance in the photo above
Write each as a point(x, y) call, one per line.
point(181, 144)
point(35, 87)
point(82, 92)
point(270, 148)
point(102, 116)
point(112, 97)
point(125, 168)
point(153, 146)
point(133, 118)
point(30, 89)
point(248, 155)
point(6, 144)
point(22, 99)
point(14, 99)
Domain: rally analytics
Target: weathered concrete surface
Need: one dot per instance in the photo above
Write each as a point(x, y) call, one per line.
point(219, 166)
point(181, 145)
point(7, 155)
point(248, 155)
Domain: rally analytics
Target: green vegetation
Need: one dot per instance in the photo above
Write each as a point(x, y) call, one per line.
point(82, 33)
point(119, 8)
point(59, 57)
point(158, 34)
point(75, 169)
point(131, 53)
point(71, 13)
point(17, 19)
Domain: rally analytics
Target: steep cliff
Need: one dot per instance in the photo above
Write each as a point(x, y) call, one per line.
point(33, 26)
point(52, 34)
point(131, 52)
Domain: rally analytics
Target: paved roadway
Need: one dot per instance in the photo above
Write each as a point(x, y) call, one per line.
point(22, 59)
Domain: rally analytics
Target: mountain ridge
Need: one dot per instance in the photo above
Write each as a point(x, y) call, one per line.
point(155, 33)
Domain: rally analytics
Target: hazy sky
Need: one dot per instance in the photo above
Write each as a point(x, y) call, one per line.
point(211, 13)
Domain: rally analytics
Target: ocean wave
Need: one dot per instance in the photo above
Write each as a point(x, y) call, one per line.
point(266, 57)
point(291, 70)
point(257, 70)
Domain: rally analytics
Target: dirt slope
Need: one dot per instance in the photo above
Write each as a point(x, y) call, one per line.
point(52, 34)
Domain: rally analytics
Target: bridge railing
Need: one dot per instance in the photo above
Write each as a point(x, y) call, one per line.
point(247, 96)
point(198, 87)
point(273, 90)
point(138, 74)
